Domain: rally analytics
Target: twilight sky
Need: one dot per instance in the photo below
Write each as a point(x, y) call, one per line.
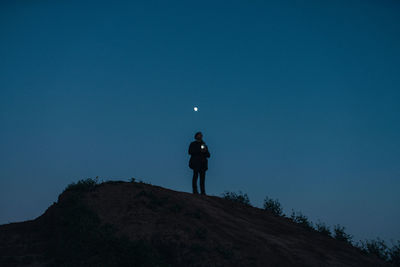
point(298, 100)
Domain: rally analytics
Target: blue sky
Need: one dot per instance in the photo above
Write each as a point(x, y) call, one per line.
point(298, 100)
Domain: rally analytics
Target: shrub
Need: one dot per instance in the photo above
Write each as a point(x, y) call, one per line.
point(132, 180)
point(237, 197)
point(394, 254)
point(323, 228)
point(83, 185)
point(340, 234)
point(301, 219)
point(113, 182)
point(140, 181)
point(273, 206)
point(375, 247)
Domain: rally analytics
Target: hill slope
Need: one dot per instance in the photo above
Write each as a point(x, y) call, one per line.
point(135, 224)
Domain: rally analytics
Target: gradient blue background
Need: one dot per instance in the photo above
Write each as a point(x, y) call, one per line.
point(298, 100)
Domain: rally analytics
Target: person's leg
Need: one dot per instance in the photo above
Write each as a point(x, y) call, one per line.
point(202, 181)
point(194, 181)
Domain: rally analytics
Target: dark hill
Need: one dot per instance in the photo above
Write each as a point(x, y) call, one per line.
point(135, 224)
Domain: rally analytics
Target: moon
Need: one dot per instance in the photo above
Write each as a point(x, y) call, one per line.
point(196, 109)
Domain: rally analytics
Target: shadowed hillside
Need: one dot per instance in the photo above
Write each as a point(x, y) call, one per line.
point(135, 224)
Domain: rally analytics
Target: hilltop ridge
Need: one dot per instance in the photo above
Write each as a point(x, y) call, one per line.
point(136, 224)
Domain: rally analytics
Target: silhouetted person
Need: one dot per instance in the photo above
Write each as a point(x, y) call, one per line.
point(198, 162)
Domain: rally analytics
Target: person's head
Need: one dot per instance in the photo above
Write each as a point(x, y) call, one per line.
point(198, 136)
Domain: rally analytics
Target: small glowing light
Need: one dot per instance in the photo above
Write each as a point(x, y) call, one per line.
point(196, 109)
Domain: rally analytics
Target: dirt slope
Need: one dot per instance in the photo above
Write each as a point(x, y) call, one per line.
point(134, 224)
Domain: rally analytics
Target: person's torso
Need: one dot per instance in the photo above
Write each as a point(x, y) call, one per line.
point(197, 152)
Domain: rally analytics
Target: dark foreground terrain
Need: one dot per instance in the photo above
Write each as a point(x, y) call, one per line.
point(135, 224)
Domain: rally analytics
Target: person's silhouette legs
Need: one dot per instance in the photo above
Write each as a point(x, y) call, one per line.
point(194, 181)
point(202, 180)
point(196, 174)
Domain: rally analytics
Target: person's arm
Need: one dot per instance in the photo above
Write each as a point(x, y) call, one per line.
point(193, 149)
point(190, 149)
point(208, 153)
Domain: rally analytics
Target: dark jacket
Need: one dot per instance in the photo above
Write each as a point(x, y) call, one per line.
point(198, 159)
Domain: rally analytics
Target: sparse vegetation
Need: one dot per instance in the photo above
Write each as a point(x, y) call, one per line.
point(375, 247)
point(394, 254)
point(84, 237)
point(380, 249)
point(78, 219)
point(340, 234)
point(237, 197)
point(113, 182)
point(300, 218)
point(323, 228)
point(83, 185)
point(273, 206)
